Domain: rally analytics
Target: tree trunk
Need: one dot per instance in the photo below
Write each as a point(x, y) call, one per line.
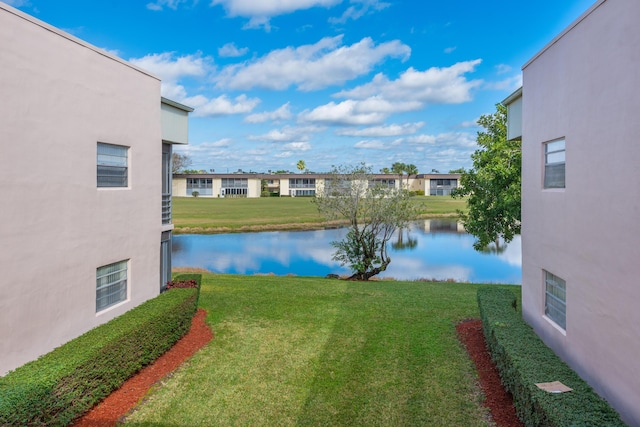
point(365, 276)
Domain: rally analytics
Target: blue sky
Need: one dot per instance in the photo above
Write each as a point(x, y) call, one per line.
point(330, 82)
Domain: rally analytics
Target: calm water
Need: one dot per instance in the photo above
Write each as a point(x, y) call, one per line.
point(431, 249)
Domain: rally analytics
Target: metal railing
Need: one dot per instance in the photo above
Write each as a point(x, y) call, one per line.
point(166, 208)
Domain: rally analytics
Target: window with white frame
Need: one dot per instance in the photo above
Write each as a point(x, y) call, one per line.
point(554, 164)
point(113, 165)
point(204, 186)
point(111, 284)
point(555, 302)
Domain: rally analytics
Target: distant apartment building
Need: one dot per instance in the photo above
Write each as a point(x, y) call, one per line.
point(577, 115)
point(85, 183)
point(297, 185)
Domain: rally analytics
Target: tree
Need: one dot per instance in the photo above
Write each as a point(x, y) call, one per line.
point(493, 183)
point(400, 168)
point(179, 162)
point(301, 165)
point(373, 211)
point(410, 169)
point(459, 170)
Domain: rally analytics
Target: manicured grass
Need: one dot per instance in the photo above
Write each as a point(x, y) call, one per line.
point(309, 351)
point(202, 215)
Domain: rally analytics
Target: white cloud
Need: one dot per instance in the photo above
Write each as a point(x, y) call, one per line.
point(447, 139)
point(160, 4)
point(230, 50)
point(284, 154)
point(433, 86)
point(288, 134)
point(312, 67)
point(359, 9)
point(371, 111)
point(380, 131)
point(171, 68)
point(298, 146)
point(345, 113)
point(470, 123)
point(282, 113)
point(372, 144)
point(222, 105)
point(208, 149)
point(259, 12)
point(17, 3)
point(510, 83)
point(114, 52)
point(503, 68)
point(450, 49)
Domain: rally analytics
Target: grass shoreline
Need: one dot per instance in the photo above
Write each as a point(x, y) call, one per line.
point(295, 226)
point(243, 215)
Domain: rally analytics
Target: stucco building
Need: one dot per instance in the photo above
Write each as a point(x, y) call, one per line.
point(297, 185)
point(85, 182)
point(577, 114)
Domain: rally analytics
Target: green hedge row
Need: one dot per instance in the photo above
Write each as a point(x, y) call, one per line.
point(65, 383)
point(523, 360)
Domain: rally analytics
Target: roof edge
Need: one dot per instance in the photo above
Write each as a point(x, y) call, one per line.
point(175, 104)
point(515, 95)
point(571, 26)
point(74, 39)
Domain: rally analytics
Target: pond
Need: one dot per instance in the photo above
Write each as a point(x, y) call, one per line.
point(431, 249)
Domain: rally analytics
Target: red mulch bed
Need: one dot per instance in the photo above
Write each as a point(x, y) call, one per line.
point(118, 403)
point(497, 399)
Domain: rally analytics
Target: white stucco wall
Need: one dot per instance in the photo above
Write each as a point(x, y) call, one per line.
point(175, 122)
point(59, 98)
point(584, 86)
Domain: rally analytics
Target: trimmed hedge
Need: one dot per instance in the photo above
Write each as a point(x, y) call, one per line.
point(523, 360)
point(64, 384)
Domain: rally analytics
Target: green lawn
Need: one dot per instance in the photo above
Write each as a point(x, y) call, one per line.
point(202, 215)
point(303, 351)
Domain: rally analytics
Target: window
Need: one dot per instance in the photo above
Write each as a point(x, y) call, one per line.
point(389, 183)
point(234, 187)
point(165, 259)
point(204, 186)
point(302, 183)
point(111, 284)
point(112, 165)
point(554, 158)
point(555, 299)
point(166, 183)
point(442, 187)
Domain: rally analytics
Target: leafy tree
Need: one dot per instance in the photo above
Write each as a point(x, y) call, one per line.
point(493, 183)
point(400, 168)
point(385, 170)
point(179, 162)
point(301, 165)
point(459, 170)
point(374, 212)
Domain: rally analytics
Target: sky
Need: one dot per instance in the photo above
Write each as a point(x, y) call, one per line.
point(329, 82)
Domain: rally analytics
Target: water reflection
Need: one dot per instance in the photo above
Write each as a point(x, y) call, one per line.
point(431, 249)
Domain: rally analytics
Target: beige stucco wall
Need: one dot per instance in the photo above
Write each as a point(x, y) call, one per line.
point(179, 187)
point(253, 189)
point(59, 98)
point(585, 87)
